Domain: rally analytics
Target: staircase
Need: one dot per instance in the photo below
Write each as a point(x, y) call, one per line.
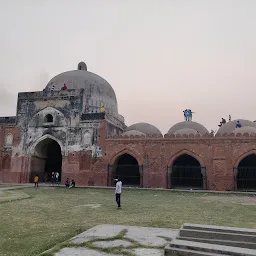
point(198, 240)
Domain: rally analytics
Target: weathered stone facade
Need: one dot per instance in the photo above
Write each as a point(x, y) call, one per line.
point(83, 122)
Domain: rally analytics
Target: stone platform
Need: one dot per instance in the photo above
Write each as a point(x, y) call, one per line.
point(115, 240)
point(195, 240)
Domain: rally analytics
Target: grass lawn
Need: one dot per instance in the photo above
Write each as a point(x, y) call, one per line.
point(37, 219)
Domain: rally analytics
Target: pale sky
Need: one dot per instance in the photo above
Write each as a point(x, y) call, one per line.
point(160, 56)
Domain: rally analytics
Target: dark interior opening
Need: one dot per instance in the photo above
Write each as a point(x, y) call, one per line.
point(49, 118)
point(246, 173)
point(186, 173)
point(127, 170)
point(46, 159)
point(53, 162)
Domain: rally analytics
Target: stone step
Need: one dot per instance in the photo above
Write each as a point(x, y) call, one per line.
point(217, 235)
point(220, 242)
point(211, 248)
point(171, 251)
point(224, 229)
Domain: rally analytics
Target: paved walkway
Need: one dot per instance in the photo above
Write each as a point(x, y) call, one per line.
point(111, 240)
point(27, 185)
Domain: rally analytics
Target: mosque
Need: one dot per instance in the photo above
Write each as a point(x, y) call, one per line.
point(73, 127)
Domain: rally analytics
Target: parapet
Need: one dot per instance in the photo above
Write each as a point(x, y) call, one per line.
point(8, 120)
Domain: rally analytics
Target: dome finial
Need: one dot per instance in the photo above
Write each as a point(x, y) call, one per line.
point(82, 66)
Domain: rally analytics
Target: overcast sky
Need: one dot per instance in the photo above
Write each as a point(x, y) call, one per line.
point(160, 57)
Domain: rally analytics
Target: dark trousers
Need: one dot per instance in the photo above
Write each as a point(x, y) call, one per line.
point(36, 184)
point(118, 200)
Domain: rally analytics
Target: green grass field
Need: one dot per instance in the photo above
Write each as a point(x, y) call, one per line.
point(34, 220)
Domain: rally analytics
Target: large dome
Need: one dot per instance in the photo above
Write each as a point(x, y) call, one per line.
point(145, 128)
point(188, 125)
point(98, 91)
point(231, 126)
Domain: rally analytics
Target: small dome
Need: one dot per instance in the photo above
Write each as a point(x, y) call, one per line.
point(134, 133)
point(245, 129)
point(186, 131)
point(145, 128)
point(231, 126)
point(82, 66)
point(188, 125)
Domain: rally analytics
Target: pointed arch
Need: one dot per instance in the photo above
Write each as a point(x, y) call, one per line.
point(245, 171)
point(6, 165)
point(127, 165)
point(48, 115)
point(46, 156)
point(185, 152)
point(46, 136)
point(243, 155)
point(125, 151)
point(186, 170)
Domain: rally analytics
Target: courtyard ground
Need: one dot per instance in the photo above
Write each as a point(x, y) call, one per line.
point(34, 220)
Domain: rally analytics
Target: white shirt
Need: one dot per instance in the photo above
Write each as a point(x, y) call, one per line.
point(118, 187)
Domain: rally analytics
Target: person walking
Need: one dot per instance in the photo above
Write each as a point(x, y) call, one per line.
point(118, 192)
point(36, 181)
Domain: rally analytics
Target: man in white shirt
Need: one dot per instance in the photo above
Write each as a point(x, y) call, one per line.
point(118, 192)
point(57, 177)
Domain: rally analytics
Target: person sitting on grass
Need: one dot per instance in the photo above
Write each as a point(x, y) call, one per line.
point(73, 184)
point(67, 183)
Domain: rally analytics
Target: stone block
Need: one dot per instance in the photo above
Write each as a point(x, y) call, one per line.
point(224, 229)
point(209, 248)
point(217, 235)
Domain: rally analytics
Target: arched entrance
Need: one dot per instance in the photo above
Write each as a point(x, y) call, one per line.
point(127, 169)
point(246, 173)
point(186, 173)
point(46, 158)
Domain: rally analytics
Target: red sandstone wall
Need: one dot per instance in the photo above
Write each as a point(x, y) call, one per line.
point(155, 155)
point(218, 156)
point(9, 172)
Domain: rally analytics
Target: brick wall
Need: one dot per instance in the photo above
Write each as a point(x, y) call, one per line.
point(219, 156)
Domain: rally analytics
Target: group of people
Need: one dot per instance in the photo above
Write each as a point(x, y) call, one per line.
point(118, 189)
point(55, 177)
point(52, 88)
point(223, 121)
point(188, 114)
point(70, 185)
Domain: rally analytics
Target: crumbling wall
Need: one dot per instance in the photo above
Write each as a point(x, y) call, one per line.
point(32, 109)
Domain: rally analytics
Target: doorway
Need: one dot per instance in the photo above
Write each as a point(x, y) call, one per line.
point(127, 169)
point(186, 173)
point(246, 173)
point(47, 158)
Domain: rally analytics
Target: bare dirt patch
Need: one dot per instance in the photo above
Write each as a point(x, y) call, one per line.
point(232, 199)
